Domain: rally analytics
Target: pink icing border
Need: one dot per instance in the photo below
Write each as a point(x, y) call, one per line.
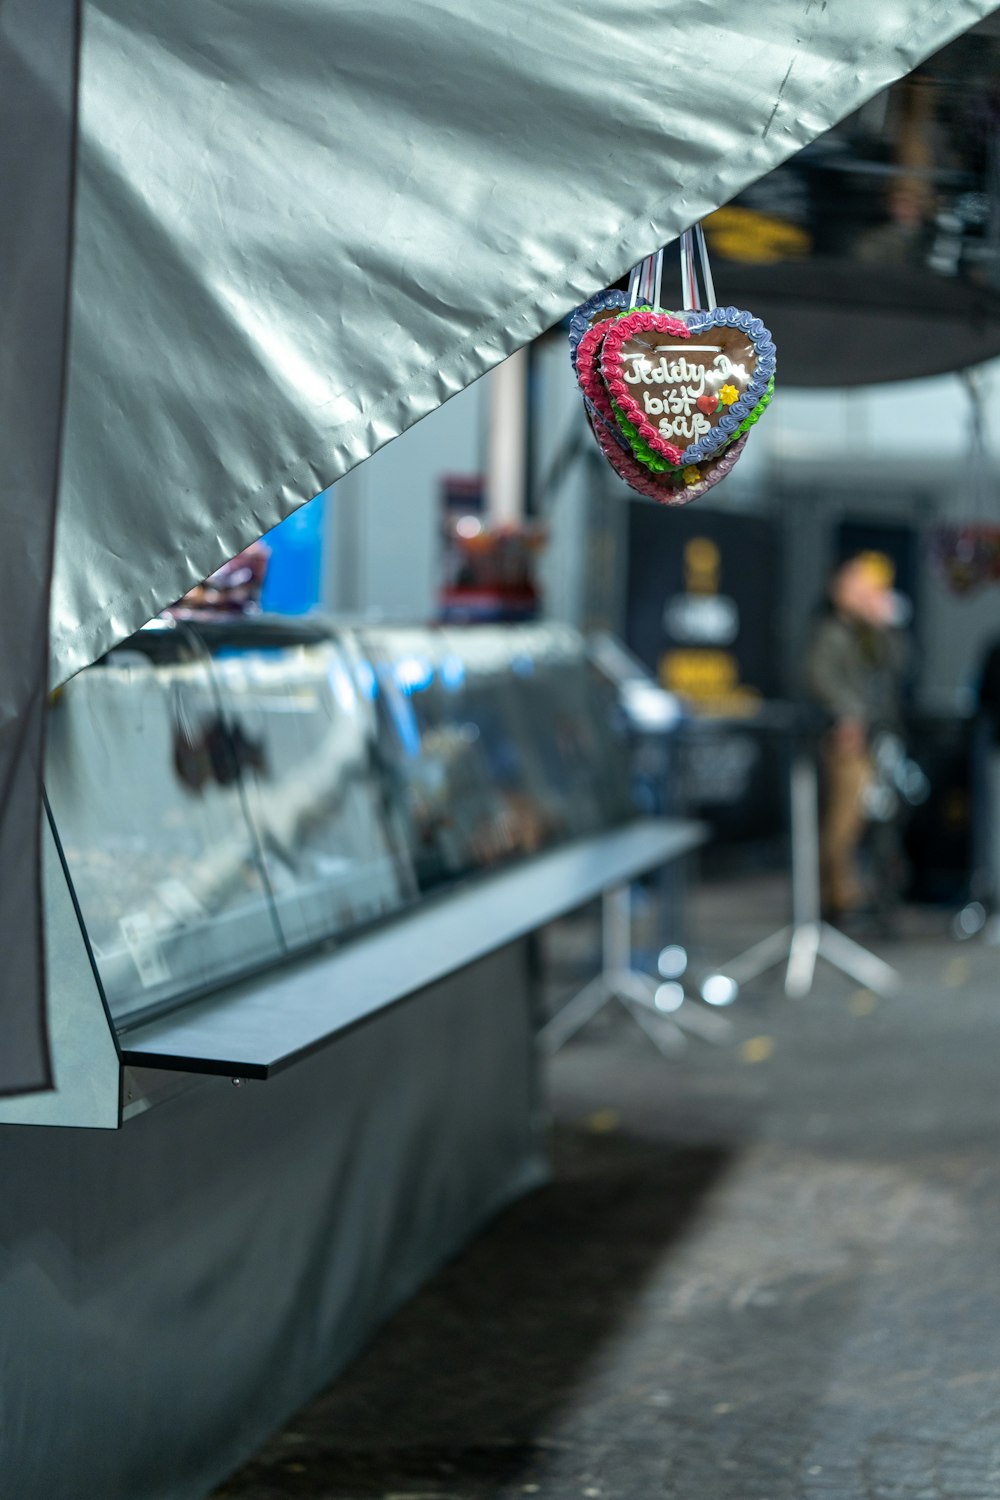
point(619, 331)
point(588, 375)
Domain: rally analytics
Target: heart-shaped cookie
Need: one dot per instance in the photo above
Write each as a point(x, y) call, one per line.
point(687, 396)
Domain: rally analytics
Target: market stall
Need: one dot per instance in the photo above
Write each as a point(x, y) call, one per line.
point(290, 871)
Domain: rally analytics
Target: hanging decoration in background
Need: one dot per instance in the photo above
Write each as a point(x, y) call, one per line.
point(966, 553)
point(233, 589)
point(671, 396)
point(967, 557)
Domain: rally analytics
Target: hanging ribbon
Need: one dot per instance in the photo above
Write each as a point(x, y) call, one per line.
point(646, 279)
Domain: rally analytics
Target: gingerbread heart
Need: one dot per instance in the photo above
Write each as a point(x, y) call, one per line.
point(687, 394)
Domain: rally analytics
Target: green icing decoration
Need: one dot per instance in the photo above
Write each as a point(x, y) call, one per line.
point(639, 446)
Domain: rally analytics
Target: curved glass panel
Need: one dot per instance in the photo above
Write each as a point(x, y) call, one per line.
point(229, 792)
point(313, 789)
point(144, 783)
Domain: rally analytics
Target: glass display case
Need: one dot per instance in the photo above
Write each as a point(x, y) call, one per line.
point(229, 794)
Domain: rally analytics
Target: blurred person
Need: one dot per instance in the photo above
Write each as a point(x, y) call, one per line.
point(854, 672)
point(984, 822)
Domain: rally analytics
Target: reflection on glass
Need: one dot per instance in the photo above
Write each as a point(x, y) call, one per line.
point(497, 743)
point(313, 795)
point(229, 795)
point(145, 788)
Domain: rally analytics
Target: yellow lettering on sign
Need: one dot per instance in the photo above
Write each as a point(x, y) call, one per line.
point(701, 566)
point(710, 681)
point(698, 673)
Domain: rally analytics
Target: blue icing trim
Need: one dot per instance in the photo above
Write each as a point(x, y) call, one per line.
point(609, 427)
point(696, 453)
point(728, 422)
point(580, 320)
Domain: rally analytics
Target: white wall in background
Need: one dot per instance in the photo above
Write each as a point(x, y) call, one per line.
point(383, 549)
point(895, 452)
point(881, 422)
point(560, 480)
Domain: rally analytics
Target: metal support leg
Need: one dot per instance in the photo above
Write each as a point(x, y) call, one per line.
point(809, 938)
point(618, 982)
point(805, 840)
point(761, 957)
point(575, 1015)
point(857, 962)
point(634, 989)
point(665, 1035)
point(802, 954)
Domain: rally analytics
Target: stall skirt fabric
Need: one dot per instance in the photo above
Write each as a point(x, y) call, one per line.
point(173, 1291)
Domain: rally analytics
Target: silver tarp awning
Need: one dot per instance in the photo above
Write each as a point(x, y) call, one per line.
point(37, 82)
point(303, 224)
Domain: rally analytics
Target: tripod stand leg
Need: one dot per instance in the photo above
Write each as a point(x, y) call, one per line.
point(802, 960)
point(635, 988)
point(664, 1034)
point(575, 1015)
point(701, 1022)
point(850, 958)
point(630, 984)
point(758, 959)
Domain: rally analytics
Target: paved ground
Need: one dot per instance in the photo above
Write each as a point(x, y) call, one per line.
point(770, 1272)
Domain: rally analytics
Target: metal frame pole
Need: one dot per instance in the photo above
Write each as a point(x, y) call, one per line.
point(809, 938)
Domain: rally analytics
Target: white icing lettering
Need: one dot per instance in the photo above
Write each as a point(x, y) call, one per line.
point(728, 370)
point(687, 427)
point(682, 401)
point(639, 372)
point(682, 382)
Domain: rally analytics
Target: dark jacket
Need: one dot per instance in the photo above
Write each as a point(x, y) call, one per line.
point(855, 671)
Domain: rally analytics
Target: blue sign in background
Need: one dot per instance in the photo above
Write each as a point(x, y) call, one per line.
point(294, 582)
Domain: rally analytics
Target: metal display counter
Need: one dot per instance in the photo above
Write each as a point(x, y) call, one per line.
point(302, 860)
point(231, 799)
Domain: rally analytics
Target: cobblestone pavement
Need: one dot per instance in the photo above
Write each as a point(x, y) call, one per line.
point(764, 1272)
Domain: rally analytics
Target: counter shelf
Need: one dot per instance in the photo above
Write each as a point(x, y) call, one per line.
point(269, 832)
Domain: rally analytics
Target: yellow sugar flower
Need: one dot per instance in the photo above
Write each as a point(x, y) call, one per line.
point(728, 395)
point(691, 474)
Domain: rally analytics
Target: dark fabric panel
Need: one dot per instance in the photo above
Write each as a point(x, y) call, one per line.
point(180, 1287)
point(38, 51)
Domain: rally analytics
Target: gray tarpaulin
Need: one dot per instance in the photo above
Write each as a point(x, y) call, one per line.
point(303, 224)
point(37, 83)
point(306, 223)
